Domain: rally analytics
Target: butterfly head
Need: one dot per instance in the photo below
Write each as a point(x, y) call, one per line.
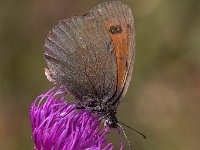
point(110, 118)
point(111, 121)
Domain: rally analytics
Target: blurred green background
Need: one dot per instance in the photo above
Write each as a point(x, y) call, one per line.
point(164, 96)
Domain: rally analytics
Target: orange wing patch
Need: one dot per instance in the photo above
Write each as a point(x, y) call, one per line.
point(120, 37)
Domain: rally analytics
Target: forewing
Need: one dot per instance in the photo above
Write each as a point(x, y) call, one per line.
point(79, 56)
point(118, 20)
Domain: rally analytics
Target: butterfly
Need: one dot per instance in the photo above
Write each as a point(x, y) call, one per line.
point(92, 57)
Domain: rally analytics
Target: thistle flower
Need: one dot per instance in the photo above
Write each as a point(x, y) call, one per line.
point(57, 125)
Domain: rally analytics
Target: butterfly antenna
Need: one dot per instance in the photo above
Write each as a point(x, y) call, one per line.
point(144, 136)
point(126, 137)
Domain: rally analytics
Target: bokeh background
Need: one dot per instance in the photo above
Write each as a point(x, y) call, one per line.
point(163, 100)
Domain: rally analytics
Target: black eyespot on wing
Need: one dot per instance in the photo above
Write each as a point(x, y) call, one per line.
point(115, 29)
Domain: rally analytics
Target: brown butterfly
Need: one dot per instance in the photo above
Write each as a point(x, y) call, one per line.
point(92, 57)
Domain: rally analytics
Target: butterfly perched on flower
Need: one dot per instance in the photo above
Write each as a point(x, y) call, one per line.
point(92, 57)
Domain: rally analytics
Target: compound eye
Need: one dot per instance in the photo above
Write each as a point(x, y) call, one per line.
point(108, 122)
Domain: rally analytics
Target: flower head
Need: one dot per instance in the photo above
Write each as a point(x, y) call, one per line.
point(57, 125)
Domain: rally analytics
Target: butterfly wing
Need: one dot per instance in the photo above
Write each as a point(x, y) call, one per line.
point(118, 20)
point(79, 56)
point(92, 55)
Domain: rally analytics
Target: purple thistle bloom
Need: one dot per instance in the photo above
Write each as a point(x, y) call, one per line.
point(57, 125)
